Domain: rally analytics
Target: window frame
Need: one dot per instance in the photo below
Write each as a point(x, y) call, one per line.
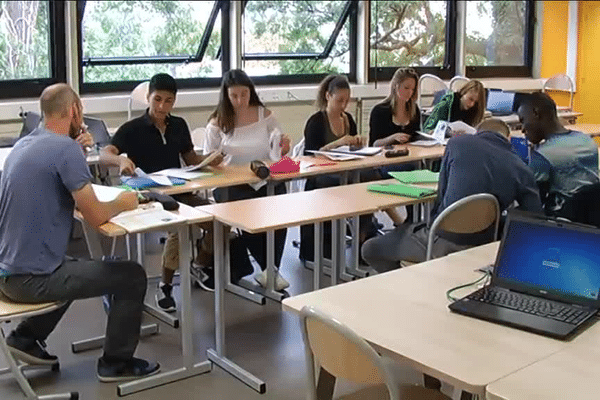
point(23, 88)
point(349, 15)
point(446, 71)
point(220, 6)
point(511, 71)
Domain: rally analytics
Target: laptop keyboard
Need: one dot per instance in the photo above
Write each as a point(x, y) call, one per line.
point(530, 305)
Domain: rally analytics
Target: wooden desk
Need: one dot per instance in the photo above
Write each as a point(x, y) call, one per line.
point(192, 216)
point(569, 374)
point(513, 119)
point(590, 129)
point(282, 211)
point(405, 315)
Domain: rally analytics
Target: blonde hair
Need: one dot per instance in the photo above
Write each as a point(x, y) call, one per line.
point(400, 76)
point(494, 125)
point(480, 104)
point(57, 99)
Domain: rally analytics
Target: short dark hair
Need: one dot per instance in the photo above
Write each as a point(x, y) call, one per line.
point(542, 102)
point(162, 82)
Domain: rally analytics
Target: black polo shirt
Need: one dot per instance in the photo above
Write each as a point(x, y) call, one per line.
point(144, 145)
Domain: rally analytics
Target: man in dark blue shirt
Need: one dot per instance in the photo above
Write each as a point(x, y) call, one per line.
point(480, 163)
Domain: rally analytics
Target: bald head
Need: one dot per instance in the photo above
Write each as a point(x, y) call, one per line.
point(56, 100)
point(494, 125)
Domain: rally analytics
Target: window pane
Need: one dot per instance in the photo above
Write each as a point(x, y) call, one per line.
point(295, 27)
point(24, 40)
point(408, 33)
point(495, 33)
point(148, 28)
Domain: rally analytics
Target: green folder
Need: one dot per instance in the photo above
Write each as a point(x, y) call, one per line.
point(401, 190)
point(419, 176)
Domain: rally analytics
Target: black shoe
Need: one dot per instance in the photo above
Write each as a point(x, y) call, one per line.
point(207, 279)
point(164, 298)
point(125, 370)
point(29, 351)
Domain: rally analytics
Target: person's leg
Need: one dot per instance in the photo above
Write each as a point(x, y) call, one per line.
point(170, 263)
point(384, 253)
point(124, 280)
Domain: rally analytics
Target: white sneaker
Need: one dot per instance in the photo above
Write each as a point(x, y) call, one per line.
point(280, 283)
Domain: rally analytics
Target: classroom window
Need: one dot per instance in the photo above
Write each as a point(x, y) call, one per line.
point(498, 38)
point(298, 41)
point(411, 34)
point(126, 42)
point(30, 47)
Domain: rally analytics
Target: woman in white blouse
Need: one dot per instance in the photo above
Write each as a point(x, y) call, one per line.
point(244, 130)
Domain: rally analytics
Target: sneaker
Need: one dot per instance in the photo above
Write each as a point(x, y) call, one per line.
point(207, 279)
point(29, 351)
point(280, 283)
point(125, 370)
point(164, 298)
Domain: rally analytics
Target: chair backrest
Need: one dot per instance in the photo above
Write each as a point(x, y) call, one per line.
point(562, 83)
point(583, 206)
point(31, 120)
point(97, 128)
point(457, 83)
point(297, 185)
point(137, 96)
point(472, 214)
point(198, 136)
point(341, 352)
point(429, 85)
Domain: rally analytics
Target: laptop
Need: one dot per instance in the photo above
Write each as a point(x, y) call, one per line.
point(500, 102)
point(546, 278)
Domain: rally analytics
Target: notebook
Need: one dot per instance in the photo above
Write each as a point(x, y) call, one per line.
point(418, 176)
point(546, 278)
point(401, 189)
point(142, 182)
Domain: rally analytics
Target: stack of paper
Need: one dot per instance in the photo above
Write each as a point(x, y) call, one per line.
point(336, 156)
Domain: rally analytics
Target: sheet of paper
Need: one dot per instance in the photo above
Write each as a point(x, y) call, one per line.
point(365, 151)
point(161, 180)
point(182, 173)
point(426, 143)
point(146, 216)
point(106, 193)
point(204, 162)
point(461, 127)
point(336, 156)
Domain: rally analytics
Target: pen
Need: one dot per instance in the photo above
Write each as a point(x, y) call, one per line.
point(321, 165)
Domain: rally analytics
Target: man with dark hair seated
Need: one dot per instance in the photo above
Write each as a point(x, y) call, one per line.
point(480, 163)
point(154, 142)
point(563, 161)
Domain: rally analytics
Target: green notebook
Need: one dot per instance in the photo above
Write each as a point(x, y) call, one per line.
point(419, 176)
point(401, 190)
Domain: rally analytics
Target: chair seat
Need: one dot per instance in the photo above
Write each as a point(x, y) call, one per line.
point(9, 309)
point(407, 392)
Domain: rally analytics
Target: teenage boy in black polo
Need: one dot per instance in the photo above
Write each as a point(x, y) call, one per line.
point(154, 142)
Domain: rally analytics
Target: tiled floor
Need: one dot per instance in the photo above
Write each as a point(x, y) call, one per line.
point(262, 339)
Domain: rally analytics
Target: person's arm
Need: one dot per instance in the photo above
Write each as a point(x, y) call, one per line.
point(529, 197)
point(542, 172)
point(96, 212)
point(109, 155)
point(314, 132)
point(187, 152)
point(212, 138)
point(441, 112)
point(443, 183)
point(193, 158)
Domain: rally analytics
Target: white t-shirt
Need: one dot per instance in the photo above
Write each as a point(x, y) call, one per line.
point(257, 141)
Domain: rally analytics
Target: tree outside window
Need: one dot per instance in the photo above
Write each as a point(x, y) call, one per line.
point(286, 37)
point(24, 40)
point(135, 32)
point(496, 33)
point(408, 34)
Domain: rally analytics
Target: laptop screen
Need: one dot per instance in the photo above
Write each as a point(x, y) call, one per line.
point(500, 103)
point(551, 258)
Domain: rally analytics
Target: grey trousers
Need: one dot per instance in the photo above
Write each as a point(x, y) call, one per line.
point(407, 242)
point(73, 280)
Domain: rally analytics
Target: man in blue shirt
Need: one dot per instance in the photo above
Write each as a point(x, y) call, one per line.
point(480, 163)
point(45, 176)
point(563, 161)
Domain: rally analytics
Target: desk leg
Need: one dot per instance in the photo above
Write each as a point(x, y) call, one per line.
point(218, 356)
point(187, 345)
point(318, 256)
point(336, 244)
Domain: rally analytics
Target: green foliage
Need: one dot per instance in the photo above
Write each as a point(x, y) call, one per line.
point(296, 27)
